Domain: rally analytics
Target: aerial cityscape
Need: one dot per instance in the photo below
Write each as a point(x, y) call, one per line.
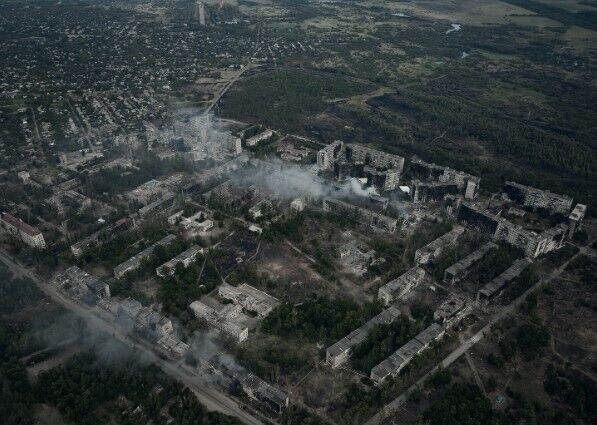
point(298, 212)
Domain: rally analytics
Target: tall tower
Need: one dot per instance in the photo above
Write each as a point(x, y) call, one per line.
point(199, 12)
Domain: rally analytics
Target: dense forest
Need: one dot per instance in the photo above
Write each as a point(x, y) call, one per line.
point(282, 98)
point(463, 405)
point(85, 386)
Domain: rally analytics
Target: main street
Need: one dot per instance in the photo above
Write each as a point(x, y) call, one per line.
point(209, 396)
point(392, 407)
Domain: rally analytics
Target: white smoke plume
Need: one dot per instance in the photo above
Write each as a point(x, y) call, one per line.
point(288, 181)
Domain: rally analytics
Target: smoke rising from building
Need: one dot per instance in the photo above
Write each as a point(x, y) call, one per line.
point(288, 181)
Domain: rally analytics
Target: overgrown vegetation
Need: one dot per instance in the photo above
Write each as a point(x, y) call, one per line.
point(463, 405)
point(286, 98)
point(138, 394)
point(577, 392)
point(320, 320)
point(382, 341)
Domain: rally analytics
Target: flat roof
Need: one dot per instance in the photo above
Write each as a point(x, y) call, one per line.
point(508, 275)
point(360, 334)
point(470, 259)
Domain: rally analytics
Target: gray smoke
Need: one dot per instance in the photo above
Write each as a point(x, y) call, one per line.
point(69, 330)
point(288, 181)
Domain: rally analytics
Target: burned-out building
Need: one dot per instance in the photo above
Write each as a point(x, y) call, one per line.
point(159, 205)
point(339, 353)
point(226, 319)
point(446, 178)
point(498, 228)
point(173, 345)
point(134, 262)
point(266, 394)
point(435, 248)
point(460, 269)
point(382, 170)
point(264, 135)
point(101, 236)
point(494, 288)
point(185, 258)
point(145, 321)
point(432, 191)
point(230, 195)
point(401, 286)
point(451, 310)
point(82, 285)
point(576, 218)
point(537, 198)
point(362, 215)
point(249, 298)
point(356, 257)
point(477, 218)
point(403, 356)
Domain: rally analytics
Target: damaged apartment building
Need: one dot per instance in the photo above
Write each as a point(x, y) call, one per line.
point(82, 286)
point(103, 235)
point(232, 316)
point(26, 233)
point(339, 353)
point(135, 261)
point(229, 195)
point(185, 258)
point(392, 366)
point(228, 318)
point(458, 271)
point(433, 182)
point(362, 215)
point(537, 198)
point(382, 170)
point(533, 244)
point(401, 286)
point(435, 248)
point(266, 395)
point(494, 289)
point(150, 324)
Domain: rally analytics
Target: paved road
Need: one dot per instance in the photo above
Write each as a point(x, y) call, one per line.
point(209, 396)
point(393, 406)
point(229, 84)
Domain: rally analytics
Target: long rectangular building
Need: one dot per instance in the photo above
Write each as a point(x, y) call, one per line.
point(531, 243)
point(365, 216)
point(459, 270)
point(402, 285)
point(494, 288)
point(185, 258)
point(134, 262)
point(434, 248)
point(537, 198)
point(101, 236)
point(403, 356)
point(18, 228)
point(339, 353)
